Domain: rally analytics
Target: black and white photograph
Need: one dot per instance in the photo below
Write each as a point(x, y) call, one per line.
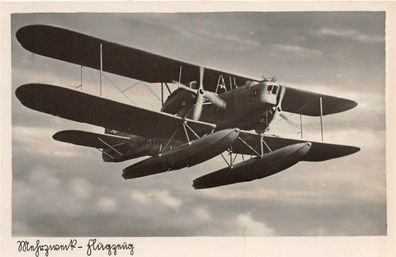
point(197, 129)
point(198, 124)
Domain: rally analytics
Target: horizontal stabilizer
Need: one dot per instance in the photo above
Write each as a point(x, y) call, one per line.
point(319, 151)
point(89, 139)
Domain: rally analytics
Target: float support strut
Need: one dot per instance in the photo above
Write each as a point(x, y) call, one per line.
point(301, 126)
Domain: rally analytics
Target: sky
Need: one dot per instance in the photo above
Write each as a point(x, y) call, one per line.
point(66, 190)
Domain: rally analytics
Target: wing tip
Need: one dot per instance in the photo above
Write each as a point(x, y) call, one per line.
point(342, 106)
point(352, 104)
point(332, 152)
point(26, 34)
point(60, 135)
point(354, 149)
point(24, 93)
point(28, 94)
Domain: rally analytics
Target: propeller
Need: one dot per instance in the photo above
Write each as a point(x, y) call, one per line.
point(201, 94)
point(278, 109)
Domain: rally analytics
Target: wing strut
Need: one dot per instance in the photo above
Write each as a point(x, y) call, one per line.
point(167, 87)
point(233, 156)
point(103, 151)
point(162, 94)
point(301, 126)
point(180, 73)
point(185, 127)
point(101, 70)
point(111, 147)
point(321, 117)
point(248, 146)
point(225, 160)
point(81, 79)
point(169, 141)
point(262, 142)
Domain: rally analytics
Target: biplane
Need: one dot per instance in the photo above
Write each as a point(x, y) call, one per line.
point(209, 113)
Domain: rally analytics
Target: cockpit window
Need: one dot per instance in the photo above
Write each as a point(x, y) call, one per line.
point(274, 90)
point(269, 88)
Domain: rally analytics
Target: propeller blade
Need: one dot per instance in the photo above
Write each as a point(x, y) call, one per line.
point(198, 107)
point(282, 94)
point(200, 93)
point(287, 119)
point(214, 99)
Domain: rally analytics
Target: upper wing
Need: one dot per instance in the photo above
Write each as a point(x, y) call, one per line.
point(82, 49)
point(82, 107)
point(319, 151)
point(308, 103)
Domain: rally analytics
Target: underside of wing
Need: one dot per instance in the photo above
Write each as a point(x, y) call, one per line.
point(74, 47)
point(319, 151)
point(309, 103)
point(78, 106)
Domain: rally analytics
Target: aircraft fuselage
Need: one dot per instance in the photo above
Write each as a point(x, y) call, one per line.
point(249, 107)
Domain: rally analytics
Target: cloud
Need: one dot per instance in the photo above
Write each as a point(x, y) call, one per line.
point(296, 50)
point(351, 34)
point(253, 227)
point(202, 214)
point(228, 38)
point(37, 140)
point(161, 197)
point(80, 187)
point(107, 204)
point(42, 176)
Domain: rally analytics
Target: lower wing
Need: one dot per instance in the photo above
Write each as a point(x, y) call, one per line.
point(78, 106)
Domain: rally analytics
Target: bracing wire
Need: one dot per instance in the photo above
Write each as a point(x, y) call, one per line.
point(115, 86)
